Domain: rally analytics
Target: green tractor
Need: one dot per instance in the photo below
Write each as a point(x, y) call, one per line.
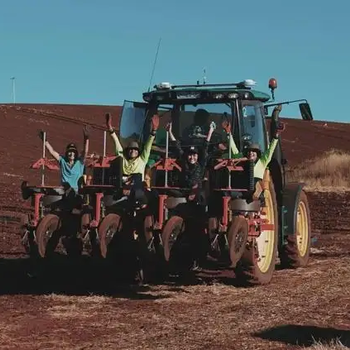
point(250, 232)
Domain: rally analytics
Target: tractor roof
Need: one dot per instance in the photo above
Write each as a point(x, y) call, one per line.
point(167, 93)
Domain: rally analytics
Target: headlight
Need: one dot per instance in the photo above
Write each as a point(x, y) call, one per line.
point(218, 96)
point(232, 95)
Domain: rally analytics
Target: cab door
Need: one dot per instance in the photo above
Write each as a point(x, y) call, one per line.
point(132, 121)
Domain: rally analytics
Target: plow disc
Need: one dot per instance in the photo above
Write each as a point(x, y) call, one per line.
point(109, 227)
point(48, 235)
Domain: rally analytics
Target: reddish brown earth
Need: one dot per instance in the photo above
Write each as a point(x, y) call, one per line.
point(78, 307)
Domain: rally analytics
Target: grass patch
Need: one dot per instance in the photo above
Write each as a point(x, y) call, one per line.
point(329, 172)
point(335, 344)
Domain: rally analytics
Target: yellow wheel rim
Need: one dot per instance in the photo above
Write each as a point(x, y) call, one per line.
point(302, 229)
point(266, 240)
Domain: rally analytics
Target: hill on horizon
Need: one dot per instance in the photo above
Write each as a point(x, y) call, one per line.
point(20, 145)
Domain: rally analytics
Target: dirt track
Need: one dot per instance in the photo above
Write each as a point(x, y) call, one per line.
point(77, 307)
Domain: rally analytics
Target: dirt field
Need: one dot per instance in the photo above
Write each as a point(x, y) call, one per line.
point(78, 307)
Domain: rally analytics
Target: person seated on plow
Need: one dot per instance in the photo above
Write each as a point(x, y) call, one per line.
point(71, 168)
point(199, 129)
point(193, 166)
point(134, 163)
point(253, 152)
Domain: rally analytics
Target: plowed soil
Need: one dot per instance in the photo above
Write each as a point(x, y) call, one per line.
point(75, 305)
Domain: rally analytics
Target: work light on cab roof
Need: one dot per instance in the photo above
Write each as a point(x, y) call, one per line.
point(164, 86)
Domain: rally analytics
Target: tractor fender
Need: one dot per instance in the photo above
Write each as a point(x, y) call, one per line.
point(243, 205)
point(109, 200)
point(50, 199)
point(173, 202)
point(290, 199)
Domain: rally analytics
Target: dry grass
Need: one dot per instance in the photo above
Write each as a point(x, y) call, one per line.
point(326, 173)
point(333, 345)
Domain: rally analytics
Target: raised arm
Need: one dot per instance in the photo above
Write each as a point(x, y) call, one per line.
point(118, 146)
point(86, 133)
point(148, 145)
point(226, 125)
point(179, 150)
point(204, 156)
point(267, 155)
point(54, 154)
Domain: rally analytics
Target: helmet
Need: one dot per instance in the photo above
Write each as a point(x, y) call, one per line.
point(192, 150)
point(254, 147)
point(133, 144)
point(72, 147)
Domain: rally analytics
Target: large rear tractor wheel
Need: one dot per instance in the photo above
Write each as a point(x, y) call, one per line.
point(109, 227)
point(296, 252)
point(47, 235)
point(258, 262)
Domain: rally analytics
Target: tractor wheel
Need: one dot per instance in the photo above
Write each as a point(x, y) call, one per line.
point(109, 226)
point(237, 238)
point(173, 228)
point(296, 252)
point(258, 262)
point(47, 235)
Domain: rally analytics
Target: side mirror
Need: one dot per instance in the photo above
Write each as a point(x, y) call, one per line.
point(305, 111)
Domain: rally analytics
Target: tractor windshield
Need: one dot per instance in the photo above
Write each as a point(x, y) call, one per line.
point(191, 122)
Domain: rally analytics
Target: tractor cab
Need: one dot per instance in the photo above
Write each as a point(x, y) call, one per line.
point(191, 109)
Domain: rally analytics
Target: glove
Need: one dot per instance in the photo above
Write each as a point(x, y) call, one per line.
point(212, 125)
point(41, 135)
point(155, 122)
point(109, 121)
point(280, 127)
point(86, 132)
point(226, 125)
point(168, 127)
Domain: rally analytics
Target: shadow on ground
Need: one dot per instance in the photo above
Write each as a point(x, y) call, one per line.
point(304, 335)
point(81, 276)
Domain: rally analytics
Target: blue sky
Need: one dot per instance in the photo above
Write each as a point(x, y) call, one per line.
point(102, 51)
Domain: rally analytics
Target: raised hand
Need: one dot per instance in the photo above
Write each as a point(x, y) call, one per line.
point(41, 134)
point(109, 121)
point(169, 127)
point(86, 132)
point(155, 122)
point(212, 126)
point(226, 125)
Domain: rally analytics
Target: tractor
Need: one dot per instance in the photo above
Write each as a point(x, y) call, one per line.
point(249, 232)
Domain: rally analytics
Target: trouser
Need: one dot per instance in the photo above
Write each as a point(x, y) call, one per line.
point(137, 191)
